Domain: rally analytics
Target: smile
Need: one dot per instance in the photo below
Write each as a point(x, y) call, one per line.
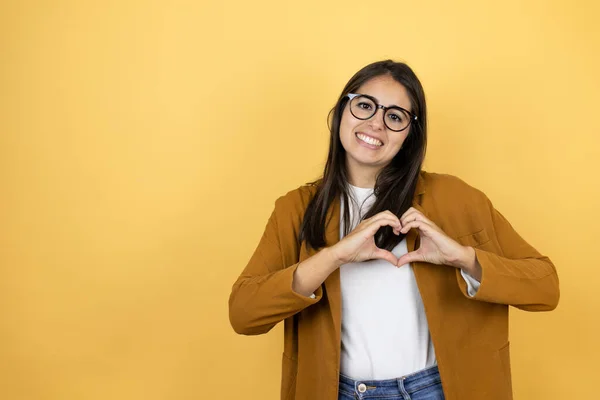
point(369, 140)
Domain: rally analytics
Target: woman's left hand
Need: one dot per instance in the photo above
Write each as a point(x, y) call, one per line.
point(435, 246)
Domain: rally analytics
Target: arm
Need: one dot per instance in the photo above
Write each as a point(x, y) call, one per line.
point(267, 291)
point(519, 275)
point(312, 272)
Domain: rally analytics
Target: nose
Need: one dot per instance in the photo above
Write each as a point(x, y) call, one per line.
point(376, 121)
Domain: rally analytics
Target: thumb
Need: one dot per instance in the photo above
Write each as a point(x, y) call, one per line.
point(385, 255)
point(408, 258)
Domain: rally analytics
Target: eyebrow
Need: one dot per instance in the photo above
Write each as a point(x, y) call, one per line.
point(378, 102)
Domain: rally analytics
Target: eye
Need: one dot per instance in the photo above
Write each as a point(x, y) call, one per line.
point(365, 105)
point(397, 116)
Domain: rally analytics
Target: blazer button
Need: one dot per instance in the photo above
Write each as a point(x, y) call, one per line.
point(362, 388)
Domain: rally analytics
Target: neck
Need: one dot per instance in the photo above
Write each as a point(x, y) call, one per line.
point(361, 176)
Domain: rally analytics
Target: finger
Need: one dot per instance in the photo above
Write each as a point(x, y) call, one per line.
point(414, 216)
point(422, 226)
point(384, 214)
point(391, 215)
point(385, 255)
point(383, 220)
point(413, 256)
point(419, 209)
point(375, 218)
point(413, 210)
point(366, 222)
point(393, 221)
point(416, 208)
point(388, 212)
point(374, 226)
point(409, 211)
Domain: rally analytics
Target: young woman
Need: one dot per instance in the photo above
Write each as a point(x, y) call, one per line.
point(393, 283)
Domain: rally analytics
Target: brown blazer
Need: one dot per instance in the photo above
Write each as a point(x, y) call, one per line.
point(470, 335)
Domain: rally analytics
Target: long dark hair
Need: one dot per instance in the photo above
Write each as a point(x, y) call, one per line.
point(395, 184)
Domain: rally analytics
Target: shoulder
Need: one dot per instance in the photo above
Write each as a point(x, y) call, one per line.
point(296, 200)
point(457, 207)
point(450, 194)
point(438, 184)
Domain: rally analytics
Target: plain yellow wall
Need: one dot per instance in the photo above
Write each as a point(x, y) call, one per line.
point(143, 144)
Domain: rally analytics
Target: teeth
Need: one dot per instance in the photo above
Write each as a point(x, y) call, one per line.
point(369, 140)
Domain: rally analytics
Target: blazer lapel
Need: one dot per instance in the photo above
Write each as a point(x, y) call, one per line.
point(412, 234)
point(332, 236)
point(332, 283)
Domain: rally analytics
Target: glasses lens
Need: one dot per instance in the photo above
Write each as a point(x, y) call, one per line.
point(396, 120)
point(362, 107)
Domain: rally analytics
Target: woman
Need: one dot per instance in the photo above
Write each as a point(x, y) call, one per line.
point(393, 282)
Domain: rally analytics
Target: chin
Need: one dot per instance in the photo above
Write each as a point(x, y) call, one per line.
point(365, 160)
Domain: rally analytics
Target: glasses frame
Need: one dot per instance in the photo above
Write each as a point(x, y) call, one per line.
point(352, 96)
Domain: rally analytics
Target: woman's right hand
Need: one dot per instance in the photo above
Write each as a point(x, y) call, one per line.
point(359, 245)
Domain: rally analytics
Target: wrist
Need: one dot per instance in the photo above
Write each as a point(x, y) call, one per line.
point(467, 259)
point(469, 263)
point(331, 259)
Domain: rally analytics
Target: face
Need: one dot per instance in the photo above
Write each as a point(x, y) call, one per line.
point(355, 134)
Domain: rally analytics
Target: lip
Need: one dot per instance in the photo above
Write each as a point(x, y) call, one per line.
point(370, 146)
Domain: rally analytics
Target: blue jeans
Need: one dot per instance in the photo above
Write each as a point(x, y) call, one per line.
point(422, 385)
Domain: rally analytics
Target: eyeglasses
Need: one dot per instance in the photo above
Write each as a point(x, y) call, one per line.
point(363, 106)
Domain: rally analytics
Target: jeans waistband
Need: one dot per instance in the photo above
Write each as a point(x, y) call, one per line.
point(416, 378)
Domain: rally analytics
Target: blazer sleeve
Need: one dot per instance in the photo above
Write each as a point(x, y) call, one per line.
point(519, 276)
point(263, 295)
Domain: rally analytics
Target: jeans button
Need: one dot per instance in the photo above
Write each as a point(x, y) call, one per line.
point(362, 388)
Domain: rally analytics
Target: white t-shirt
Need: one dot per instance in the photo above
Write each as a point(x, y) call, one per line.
point(385, 333)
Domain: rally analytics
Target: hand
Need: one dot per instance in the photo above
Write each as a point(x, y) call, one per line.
point(359, 245)
point(435, 246)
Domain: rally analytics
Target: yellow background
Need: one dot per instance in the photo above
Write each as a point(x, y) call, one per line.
point(143, 144)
